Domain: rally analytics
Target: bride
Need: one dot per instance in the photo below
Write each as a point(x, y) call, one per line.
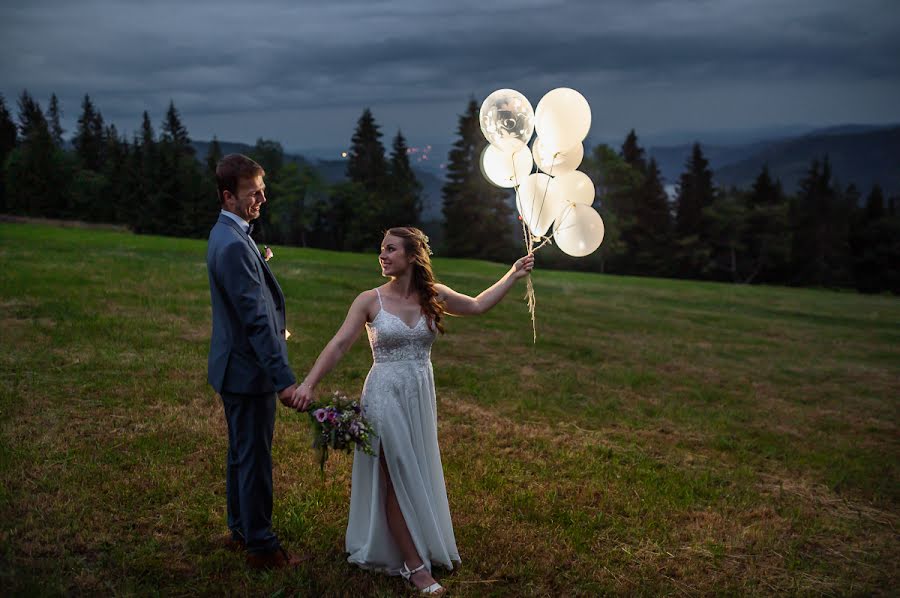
point(399, 516)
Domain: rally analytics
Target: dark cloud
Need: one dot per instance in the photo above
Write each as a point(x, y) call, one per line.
point(655, 65)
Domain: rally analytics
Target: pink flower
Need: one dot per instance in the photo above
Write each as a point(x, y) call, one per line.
point(269, 254)
point(320, 415)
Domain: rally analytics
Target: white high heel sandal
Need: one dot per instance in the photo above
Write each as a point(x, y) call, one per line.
point(434, 589)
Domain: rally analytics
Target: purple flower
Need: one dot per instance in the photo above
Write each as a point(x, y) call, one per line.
point(354, 428)
point(320, 415)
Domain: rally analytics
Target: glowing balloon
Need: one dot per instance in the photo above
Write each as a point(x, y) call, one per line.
point(578, 230)
point(538, 202)
point(504, 169)
point(562, 119)
point(557, 163)
point(507, 120)
point(575, 187)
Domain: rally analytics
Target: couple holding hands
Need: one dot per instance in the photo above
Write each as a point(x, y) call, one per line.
point(399, 521)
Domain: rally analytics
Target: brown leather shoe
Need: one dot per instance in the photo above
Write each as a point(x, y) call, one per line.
point(276, 559)
point(229, 542)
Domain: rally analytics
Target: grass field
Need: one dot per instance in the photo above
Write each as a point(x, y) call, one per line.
point(662, 437)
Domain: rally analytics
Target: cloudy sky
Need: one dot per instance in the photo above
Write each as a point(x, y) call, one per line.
point(301, 71)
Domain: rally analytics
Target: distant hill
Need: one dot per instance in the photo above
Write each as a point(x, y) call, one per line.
point(859, 154)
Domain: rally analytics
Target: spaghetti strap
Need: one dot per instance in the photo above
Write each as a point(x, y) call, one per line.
point(380, 304)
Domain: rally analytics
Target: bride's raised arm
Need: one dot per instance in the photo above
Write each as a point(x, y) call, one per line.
point(458, 304)
point(337, 347)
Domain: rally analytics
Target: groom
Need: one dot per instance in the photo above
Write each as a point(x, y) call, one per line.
point(248, 362)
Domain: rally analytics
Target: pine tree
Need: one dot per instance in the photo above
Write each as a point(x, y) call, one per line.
point(367, 165)
point(88, 140)
point(38, 175)
point(477, 216)
point(820, 220)
point(695, 193)
point(633, 153)
point(175, 133)
point(765, 236)
point(404, 203)
point(145, 199)
point(31, 118)
point(53, 116)
point(875, 204)
point(213, 155)
point(618, 183)
point(364, 216)
point(652, 228)
point(9, 138)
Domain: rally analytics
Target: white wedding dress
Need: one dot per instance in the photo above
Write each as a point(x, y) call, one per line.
point(398, 399)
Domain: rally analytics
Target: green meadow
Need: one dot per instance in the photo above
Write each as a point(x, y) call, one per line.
point(661, 437)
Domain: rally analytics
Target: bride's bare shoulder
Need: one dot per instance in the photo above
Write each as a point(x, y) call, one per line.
point(367, 301)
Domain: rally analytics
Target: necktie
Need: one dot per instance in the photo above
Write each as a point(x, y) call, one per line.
point(250, 230)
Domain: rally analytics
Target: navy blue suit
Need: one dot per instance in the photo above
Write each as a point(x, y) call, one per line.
point(248, 364)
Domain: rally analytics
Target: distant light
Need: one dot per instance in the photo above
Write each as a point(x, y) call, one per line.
point(343, 154)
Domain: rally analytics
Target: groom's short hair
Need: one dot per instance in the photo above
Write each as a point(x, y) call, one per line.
point(231, 169)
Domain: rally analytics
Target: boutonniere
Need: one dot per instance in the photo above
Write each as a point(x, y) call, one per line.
point(268, 253)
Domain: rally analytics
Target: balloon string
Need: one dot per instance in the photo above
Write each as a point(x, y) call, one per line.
point(546, 188)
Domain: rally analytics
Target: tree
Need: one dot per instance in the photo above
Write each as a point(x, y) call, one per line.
point(875, 246)
point(38, 173)
point(477, 216)
point(695, 194)
point(31, 117)
point(403, 205)
point(88, 140)
point(766, 238)
point(213, 155)
point(366, 164)
point(174, 132)
point(632, 153)
point(820, 219)
point(297, 200)
point(618, 183)
point(9, 138)
point(652, 226)
point(53, 116)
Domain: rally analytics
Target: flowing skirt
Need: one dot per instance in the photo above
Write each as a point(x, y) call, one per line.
point(399, 400)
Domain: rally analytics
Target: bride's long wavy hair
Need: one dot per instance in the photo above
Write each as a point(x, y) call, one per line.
point(415, 243)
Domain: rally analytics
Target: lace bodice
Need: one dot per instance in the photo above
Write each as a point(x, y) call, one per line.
point(392, 340)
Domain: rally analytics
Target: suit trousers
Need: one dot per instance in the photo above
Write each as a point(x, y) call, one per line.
point(248, 478)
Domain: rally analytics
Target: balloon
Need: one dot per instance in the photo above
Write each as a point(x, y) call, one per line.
point(575, 187)
point(507, 120)
point(538, 202)
point(504, 169)
point(557, 163)
point(562, 119)
point(578, 230)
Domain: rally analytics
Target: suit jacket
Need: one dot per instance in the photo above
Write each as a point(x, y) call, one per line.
point(248, 349)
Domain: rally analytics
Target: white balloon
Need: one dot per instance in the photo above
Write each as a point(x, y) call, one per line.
point(575, 187)
point(538, 202)
point(578, 230)
point(504, 169)
point(562, 119)
point(507, 120)
point(557, 163)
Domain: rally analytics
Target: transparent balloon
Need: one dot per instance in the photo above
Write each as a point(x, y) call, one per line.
point(539, 203)
point(575, 187)
point(559, 162)
point(562, 119)
point(504, 169)
point(578, 230)
point(507, 120)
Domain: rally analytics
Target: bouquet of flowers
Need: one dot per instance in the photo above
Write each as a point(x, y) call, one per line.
point(338, 424)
